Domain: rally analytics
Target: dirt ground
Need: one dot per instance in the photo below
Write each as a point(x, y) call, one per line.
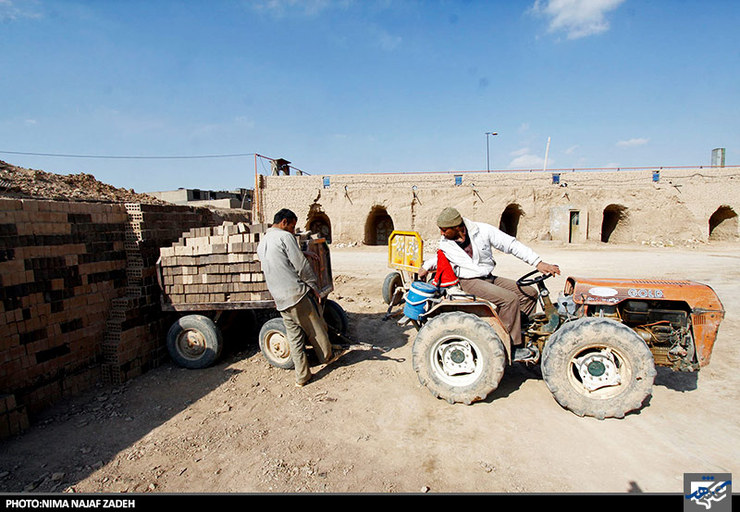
point(365, 425)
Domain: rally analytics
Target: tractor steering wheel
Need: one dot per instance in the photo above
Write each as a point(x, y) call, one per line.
point(525, 280)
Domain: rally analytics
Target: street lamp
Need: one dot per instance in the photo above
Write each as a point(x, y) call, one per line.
point(488, 160)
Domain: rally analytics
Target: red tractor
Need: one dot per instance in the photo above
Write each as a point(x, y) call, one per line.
point(597, 345)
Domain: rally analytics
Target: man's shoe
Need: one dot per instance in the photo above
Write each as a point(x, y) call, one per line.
point(525, 355)
point(337, 352)
point(301, 384)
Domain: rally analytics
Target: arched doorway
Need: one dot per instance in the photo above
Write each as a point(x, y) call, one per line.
point(723, 224)
point(319, 223)
point(615, 216)
point(509, 222)
point(378, 226)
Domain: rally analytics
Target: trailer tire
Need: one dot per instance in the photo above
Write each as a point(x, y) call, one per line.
point(598, 367)
point(336, 320)
point(194, 341)
point(459, 357)
point(274, 344)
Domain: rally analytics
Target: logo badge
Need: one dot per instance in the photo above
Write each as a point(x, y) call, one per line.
point(707, 491)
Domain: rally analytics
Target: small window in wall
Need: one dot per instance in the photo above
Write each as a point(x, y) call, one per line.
point(327, 182)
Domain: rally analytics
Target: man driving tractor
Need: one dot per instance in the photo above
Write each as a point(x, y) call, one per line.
point(467, 246)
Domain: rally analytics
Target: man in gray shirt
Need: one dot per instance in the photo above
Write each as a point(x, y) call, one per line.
point(294, 288)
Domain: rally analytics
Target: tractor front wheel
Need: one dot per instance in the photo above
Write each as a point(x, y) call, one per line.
point(459, 357)
point(392, 282)
point(598, 367)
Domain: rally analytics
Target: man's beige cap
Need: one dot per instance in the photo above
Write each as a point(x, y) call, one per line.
point(449, 218)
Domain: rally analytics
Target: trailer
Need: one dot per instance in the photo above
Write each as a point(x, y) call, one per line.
point(211, 272)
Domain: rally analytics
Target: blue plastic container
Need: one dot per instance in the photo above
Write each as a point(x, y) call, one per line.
point(417, 298)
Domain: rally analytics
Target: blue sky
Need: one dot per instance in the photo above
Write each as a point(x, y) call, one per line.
point(364, 86)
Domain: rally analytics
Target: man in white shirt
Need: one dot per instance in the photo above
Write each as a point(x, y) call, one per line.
point(469, 248)
point(294, 288)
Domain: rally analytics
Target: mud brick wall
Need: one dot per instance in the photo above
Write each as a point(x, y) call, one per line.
point(79, 300)
point(681, 206)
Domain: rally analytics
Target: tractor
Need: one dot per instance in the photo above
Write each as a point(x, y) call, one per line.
point(597, 346)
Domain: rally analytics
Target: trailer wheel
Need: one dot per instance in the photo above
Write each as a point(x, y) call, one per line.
point(459, 357)
point(391, 283)
point(336, 320)
point(274, 344)
point(598, 367)
point(194, 341)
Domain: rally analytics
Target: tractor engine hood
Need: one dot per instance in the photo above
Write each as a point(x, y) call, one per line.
point(705, 308)
point(606, 291)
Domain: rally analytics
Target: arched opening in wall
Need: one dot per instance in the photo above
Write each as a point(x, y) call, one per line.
point(318, 222)
point(378, 226)
point(615, 215)
point(509, 222)
point(723, 224)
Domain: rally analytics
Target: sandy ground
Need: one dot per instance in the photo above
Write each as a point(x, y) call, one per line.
point(365, 425)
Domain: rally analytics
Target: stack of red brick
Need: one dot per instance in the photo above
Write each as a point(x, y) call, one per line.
point(61, 264)
point(79, 298)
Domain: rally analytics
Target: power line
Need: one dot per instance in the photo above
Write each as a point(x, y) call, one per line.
point(129, 157)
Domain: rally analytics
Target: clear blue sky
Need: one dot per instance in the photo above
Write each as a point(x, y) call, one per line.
point(350, 86)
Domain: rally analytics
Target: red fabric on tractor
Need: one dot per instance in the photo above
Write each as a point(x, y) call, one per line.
point(445, 276)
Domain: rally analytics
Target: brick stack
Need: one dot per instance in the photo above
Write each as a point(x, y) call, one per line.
point(61, 264)
point(13, 417)
point(127, 348)
point(137, 327)
point(79, 298)
point(215, 265)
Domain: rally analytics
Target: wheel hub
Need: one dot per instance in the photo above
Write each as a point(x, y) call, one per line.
point(278, 346)
point(192, 343)
point(598, 370)
point(456, 358)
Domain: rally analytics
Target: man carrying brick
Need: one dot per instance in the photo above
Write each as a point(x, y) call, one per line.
point(294, 288)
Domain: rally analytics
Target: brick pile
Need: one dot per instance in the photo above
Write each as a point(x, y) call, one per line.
point(61, 264)
point(136, 326)
point(215, 265)
point(79, 298)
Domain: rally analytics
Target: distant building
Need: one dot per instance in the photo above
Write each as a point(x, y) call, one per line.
point(240, 198)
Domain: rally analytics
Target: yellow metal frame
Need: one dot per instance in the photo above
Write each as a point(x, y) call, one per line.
point(405, 251)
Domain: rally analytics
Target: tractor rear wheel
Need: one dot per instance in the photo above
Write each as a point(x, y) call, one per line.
point(459, 357)
point(598, 367)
